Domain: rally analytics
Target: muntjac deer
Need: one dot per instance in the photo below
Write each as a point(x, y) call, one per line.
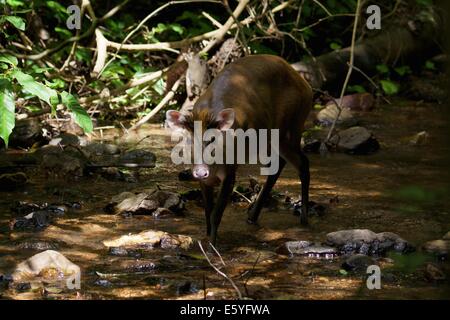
point(254, 92)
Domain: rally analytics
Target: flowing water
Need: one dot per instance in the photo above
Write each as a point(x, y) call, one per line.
point(402, 188)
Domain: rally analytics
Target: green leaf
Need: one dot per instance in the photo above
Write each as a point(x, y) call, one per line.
point(7, 109)
point(56, 6)
point(10, 59)
point(17, 22)
point(403, 70)
point(389, 87)
point(382, 68)
point(343, 272)
point(430, 65)
point(356, 88)
point(80, 115)
point(409, 263)
point(64, 32)
point(35, 88)
point(14, 3)
point(335, 46)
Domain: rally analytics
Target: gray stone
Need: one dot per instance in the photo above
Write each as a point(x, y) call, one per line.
point(306, 248)
point(138, 158)
point(358, 262)
point(150, 239)
point(438, 247)
point(38, 264)
point(327, 115)
point(367, 242)
point(355, 140)
point(11, 181)
point(147, 202)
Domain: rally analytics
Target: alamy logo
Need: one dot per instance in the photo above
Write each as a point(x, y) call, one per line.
point(374, 20)
point(374, 280)
point(228, 146)
point(74, 281)
point(74, 20)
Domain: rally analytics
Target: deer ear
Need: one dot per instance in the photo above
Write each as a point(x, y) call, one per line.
point(175, 120)
point(225, 118)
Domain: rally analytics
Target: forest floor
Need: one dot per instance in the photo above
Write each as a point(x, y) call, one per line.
point(376, 192)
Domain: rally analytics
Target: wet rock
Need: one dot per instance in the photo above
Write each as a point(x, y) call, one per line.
point(26, 132)
point(186, 287)
point(138, 158)
point(50, 265)
point(358, 262)
point(150, 239)
point(24, 207)
point(137, 266)
point(162, 213)
point(99, 149)
point(434, 273)
point(358, 101)
point(355, 140)
point(420, 138)
point(122, 252)
point(306, 248)
point(147, 202)
point(438, 247)
point(63, 165)
point(311, 145)
point(367, 242)
point(103, 283)
point(327, 116)
point(186, 175)
point(192, 195)
point(446, 236)
point(12, 181)
point(38, 219)
point(38, 245)
point(115, 174)
point(314, 208)
point(65, 139)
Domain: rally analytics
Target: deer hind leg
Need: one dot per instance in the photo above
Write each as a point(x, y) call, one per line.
point(295, 156)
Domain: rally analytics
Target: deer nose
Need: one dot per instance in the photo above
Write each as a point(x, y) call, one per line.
point(201, 172)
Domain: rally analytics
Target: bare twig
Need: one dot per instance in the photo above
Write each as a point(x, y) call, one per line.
point(238, 292)
point(349, 71)
point(132, 83)
point(220, 33)
point(143, 22)
point(160, 105)
point(66, 42)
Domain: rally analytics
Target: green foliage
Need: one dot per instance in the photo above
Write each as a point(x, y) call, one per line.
point(408, 263)
point(80, 115)
point(335, 46)
point(9, 59)
point(382, 68)
point(389, 87)
point(356, 88)
point(430, 65)
point(7, 109)
point(403, 70)
point(17, 22)
point(35, 88)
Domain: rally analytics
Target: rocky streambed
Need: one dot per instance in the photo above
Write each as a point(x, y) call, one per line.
point(118, 230)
